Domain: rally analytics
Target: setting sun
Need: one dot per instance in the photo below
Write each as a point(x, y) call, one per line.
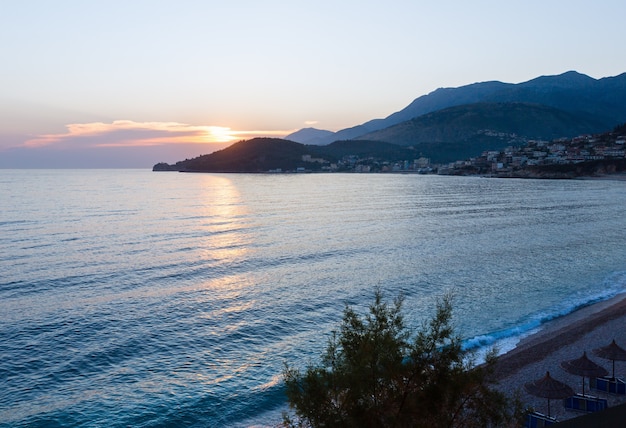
point(218, 134)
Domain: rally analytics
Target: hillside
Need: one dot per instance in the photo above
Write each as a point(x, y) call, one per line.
point(255, 155)
point(464, 131)
point(366, 149)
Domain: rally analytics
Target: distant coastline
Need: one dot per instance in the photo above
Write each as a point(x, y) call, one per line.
point(598, 155)
point(557, 127)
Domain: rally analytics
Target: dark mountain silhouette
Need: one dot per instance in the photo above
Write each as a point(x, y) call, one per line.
point(310, 136)
point(603, 100)
point(255, 155)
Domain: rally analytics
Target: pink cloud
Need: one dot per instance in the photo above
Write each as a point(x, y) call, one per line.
point(127, 133)
point(121, 143)
point(130, 133)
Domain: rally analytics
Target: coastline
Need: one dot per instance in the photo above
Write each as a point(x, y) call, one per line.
point(618, 176)
point(563, 339)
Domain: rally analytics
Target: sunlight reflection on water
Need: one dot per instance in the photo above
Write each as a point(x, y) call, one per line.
point(139, 298)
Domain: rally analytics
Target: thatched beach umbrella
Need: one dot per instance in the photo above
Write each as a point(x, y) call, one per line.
point(550, 388)
point(584, 367)
point(611, 352)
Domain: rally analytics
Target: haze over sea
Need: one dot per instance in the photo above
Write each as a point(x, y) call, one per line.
point(132, 298)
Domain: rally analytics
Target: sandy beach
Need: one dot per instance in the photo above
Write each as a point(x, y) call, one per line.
point(565, 339)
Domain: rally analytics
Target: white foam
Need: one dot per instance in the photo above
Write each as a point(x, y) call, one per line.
point(507, 339)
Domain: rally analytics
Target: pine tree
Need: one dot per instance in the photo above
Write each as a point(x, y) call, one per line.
point(374, 373)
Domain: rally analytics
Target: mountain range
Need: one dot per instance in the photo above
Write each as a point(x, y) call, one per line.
point(601, 103)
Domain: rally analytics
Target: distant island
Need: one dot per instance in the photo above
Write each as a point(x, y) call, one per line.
point(551, 126)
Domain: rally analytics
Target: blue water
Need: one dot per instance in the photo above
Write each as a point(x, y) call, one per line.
point(132, 298)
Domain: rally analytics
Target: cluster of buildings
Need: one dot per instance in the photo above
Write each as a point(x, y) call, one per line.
point(562, 151)
point(355, 163)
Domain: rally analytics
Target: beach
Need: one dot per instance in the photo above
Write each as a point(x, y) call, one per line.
point(561, 340)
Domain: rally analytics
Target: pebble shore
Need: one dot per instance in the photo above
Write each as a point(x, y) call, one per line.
point(565, 339)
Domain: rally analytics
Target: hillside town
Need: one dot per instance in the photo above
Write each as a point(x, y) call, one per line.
point(539, 158)
point(538, 155)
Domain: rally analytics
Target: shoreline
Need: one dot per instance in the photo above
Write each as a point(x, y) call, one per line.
point(560, 340)
point(617, 176)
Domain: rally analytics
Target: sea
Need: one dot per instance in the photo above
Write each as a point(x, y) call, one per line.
point(131, 298)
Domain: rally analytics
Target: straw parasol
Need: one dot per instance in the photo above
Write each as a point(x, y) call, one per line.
point(611, 352)
point(548, 387)
point(584, 367)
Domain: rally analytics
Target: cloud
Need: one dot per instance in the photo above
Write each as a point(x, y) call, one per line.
point(119, 142)
point(129, 133)
point(311, 122)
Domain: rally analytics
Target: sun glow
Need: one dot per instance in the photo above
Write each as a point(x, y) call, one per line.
point(219, 134)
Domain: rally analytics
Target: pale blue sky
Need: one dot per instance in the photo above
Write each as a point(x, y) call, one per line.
point(162, 76)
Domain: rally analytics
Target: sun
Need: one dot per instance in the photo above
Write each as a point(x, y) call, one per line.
point(219, 134)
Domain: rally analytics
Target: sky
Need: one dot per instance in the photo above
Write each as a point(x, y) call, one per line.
point(118, 83)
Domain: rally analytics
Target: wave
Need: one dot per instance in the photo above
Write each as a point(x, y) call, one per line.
point(506, 339)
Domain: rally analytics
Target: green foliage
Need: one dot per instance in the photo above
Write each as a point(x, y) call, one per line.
point(374, 374)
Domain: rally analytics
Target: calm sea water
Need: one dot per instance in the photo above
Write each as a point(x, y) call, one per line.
point(132, 298)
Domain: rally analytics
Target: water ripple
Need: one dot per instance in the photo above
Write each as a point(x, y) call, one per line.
point(140, 299)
